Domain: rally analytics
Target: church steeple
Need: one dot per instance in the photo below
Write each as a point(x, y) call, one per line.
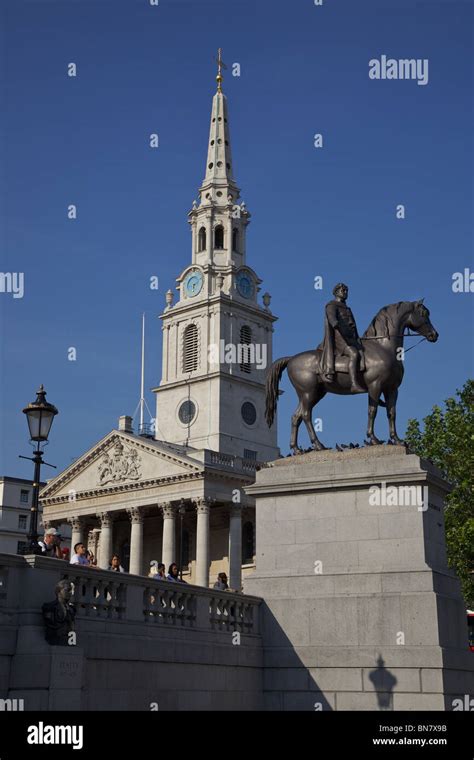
point(219, 183)
point(206, 398)
point(220, 220)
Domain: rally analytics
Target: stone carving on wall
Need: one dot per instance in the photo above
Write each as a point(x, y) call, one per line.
point(119, 464)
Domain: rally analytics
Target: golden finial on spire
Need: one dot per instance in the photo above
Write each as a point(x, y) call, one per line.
point(220, 65)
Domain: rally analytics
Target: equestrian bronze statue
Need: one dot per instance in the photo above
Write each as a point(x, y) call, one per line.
point(346, 364)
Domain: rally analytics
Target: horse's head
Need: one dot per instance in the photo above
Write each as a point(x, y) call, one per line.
point(419, 321)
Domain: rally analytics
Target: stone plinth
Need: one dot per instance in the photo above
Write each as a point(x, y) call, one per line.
point(361, 610)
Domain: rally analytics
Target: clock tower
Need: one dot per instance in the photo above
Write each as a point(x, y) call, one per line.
point(217, 337)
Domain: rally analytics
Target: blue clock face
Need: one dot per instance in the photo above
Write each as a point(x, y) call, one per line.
point(245, 285)
point(193, 283)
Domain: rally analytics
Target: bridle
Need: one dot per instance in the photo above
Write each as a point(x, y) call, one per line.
point(404, 335)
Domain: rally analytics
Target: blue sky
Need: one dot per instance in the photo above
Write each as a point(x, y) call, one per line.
point(329, 212)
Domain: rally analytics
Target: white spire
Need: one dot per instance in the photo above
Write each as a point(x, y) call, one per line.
point(219, 181)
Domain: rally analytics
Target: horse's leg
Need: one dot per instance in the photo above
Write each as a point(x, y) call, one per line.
point(296, 420)
point(374, 397)
point(391, 401)
point(309, 402)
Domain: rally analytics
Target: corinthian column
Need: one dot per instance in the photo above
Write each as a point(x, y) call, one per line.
point(77, 537)
point(202, 542)
point(105, 539)
point(136, 540)
point(169, 535)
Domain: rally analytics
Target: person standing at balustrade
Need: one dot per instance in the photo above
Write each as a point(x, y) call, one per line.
point(173, 574)
point(221, 583)
point(115, 565)
point(79, 557)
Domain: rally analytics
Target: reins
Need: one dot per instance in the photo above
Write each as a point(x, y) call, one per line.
point(405, 335)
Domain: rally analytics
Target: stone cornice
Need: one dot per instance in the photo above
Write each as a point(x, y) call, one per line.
point(209, 375)
point(211, 474)
point(181, 308)
point(341, 483)
point(121, 488)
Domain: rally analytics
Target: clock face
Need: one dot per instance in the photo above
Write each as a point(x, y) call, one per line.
point(245, 285)
point(193, 283)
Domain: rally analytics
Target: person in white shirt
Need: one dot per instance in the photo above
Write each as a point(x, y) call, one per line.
point(79, 556)
point(51, 544)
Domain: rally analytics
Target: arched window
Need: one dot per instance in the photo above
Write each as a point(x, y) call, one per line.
point(248, 542)
point(219, 236)
point(202, 239)
point(245, 349)
point(235, 239)
point(190, 348)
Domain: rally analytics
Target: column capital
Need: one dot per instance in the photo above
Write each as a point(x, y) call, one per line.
point(203, 505)
point(235, 509)
point(168, 510)
point(135, 514)
point(76, 522)
point(105, 518)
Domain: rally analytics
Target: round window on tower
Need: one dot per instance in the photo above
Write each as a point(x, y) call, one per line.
point(249, 413)
point(187, 412)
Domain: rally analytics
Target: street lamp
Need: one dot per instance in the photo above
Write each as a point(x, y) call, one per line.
point(40, 415)
point(182, 512)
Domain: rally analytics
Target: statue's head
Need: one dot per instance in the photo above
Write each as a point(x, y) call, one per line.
point(64, 591)
point(340, 290)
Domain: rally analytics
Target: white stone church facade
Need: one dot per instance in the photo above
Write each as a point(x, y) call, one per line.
point(181, 491)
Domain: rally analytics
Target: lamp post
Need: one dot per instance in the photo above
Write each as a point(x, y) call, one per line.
point(182, 512)
point(40, 415)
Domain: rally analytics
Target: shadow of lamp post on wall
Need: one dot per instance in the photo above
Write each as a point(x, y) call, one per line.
point(39, 414)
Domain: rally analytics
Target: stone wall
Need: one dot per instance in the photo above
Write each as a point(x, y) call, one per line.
point(141, 644)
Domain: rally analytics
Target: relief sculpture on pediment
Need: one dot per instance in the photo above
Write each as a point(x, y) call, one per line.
point(118, 465)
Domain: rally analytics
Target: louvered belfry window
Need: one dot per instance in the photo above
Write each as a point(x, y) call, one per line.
point(190, 348)
point(245, 340)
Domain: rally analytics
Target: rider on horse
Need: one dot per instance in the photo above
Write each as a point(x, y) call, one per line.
point(341, 339)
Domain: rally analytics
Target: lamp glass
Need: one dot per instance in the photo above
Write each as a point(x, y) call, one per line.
point(39, 423)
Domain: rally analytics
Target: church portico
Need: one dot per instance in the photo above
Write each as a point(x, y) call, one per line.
point(181, 531)
point(189, 513)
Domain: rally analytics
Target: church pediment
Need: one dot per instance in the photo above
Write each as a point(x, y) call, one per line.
point(120, 461)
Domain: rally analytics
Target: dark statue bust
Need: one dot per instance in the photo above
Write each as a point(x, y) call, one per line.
point(59, 615)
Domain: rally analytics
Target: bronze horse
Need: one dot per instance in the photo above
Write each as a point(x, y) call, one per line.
point(383, 374)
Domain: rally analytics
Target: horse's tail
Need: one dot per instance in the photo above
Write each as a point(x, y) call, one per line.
point(271, 388)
